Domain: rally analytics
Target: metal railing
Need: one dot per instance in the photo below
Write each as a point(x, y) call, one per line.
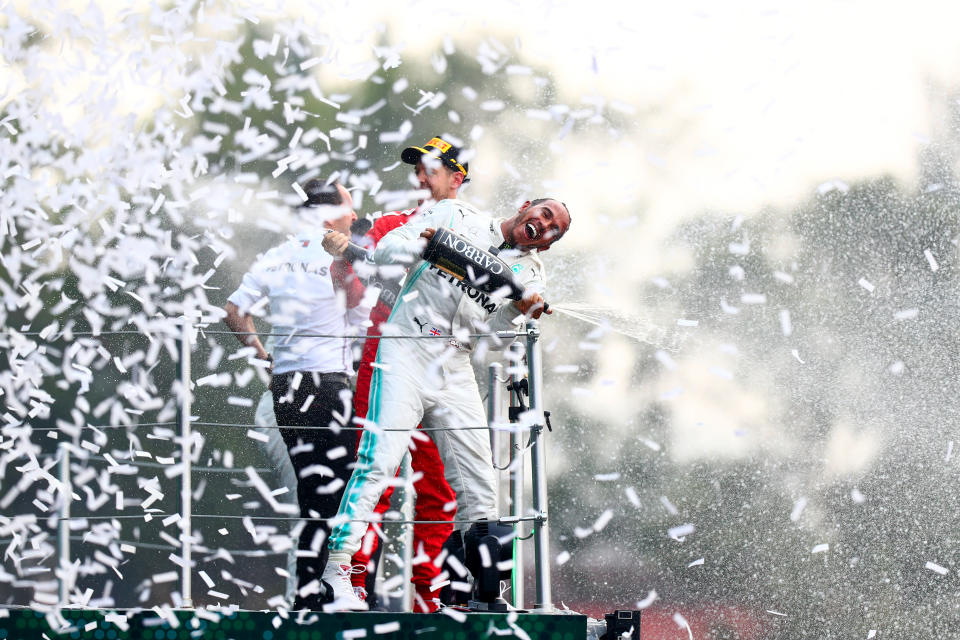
point(533, 424)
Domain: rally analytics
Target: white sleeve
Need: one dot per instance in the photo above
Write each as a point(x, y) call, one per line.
point(404, 245)
point(252, 290)
point(531, 278)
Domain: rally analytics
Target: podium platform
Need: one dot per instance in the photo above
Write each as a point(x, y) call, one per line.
point(180, 624)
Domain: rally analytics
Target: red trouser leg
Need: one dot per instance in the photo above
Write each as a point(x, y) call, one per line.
point(361, 403)
point(435, 501)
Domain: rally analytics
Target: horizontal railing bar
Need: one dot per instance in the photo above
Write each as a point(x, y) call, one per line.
point(159, 465)
point(91, 426)
point(215, 332)
point(257, 426)
point(158, 516)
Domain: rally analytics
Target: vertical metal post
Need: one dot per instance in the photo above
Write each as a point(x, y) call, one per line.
point(407, 511)
point(541, 534)
point(516, 501)
point(63, 527)
point(494, 417)
point(186, 485)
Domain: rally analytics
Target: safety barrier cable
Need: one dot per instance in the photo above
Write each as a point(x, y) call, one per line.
point(152, 516)
point(216, 332)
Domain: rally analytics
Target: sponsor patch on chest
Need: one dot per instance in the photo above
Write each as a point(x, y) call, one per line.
point(482, 299)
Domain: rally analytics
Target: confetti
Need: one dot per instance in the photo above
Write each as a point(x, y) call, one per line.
point(649, 600)
point(679, 533)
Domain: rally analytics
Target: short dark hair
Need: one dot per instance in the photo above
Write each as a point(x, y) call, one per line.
point(565, 208)
point(319, 192)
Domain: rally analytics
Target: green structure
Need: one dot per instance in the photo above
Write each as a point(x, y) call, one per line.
point(98, 624)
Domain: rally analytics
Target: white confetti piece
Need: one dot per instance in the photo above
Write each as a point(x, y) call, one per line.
point(820, 548)
point(798, 508)
point(833, 185)
point(786, 326)
point(936, 568)
point(169, 576)
point(562, 558)
point(389, 627)
point(784, 277)
point(672, 510)
point(649, 600)
point(753, 298)
point(256, 435)
point(931, 260)
point(696, 563)
point(949, 451)
point(720, 372)
point(906, 314)
point(739, 248)
point(336, 453)
point(665, 359)
point(650, 444)
point(682, 322)
point(683, 624)
point(459, 616)
point(863, 282)
point(603, 520)
point(679, 533)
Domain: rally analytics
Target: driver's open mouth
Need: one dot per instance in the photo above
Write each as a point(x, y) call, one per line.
point(531, 231)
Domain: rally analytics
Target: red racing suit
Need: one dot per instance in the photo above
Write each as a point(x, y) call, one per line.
point(435, 499)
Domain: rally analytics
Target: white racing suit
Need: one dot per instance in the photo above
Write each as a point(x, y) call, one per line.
point(419, 379)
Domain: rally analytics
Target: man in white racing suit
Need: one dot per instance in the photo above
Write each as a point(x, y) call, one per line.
point(430, 380)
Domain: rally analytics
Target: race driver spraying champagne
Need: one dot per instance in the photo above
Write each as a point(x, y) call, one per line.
point(431, 380)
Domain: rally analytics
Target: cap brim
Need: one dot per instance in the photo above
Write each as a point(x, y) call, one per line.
point(411, 155)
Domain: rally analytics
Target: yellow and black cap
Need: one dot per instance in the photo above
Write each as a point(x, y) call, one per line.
point(440, 149)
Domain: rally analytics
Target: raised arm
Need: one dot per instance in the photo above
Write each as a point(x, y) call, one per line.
point(404, 245)
point(243, 328)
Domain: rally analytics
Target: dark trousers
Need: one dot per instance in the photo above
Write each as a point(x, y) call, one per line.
point(330, 450)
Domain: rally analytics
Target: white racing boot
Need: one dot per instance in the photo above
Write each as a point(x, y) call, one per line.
point(344, 598)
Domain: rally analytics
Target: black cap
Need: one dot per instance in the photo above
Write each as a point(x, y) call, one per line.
point(440, 149)
point(319, 192)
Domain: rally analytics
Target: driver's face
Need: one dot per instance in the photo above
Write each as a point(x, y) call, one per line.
point(539, 225)
point(440, 181)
